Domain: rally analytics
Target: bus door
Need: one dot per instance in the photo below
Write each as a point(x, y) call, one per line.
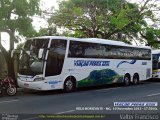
point(56, 57)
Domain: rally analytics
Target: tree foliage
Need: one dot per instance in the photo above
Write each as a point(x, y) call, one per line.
point(109, 19)
point(47, 32)
point(15, 17)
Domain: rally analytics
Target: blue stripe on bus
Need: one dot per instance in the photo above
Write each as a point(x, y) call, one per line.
point(132, 62)
point(53, 82)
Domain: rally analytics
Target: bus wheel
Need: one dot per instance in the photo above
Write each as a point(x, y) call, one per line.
point(126, 81)
point(69, 85)
point(135, 79)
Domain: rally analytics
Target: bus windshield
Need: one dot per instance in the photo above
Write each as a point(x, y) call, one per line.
point(155, 64)
point(29, 62)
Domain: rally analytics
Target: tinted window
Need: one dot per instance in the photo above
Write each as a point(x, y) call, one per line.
point(155, 63)
point(56, 57)
point(85, 50)
point(94, 50)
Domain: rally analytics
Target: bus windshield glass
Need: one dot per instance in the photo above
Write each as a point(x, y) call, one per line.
point(155, 64)
point(29, 62)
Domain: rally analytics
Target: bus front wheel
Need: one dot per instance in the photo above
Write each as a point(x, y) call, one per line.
point(69, 85)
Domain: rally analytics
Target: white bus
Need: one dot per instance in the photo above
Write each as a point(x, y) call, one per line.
point(156, 63)
point(52, 62)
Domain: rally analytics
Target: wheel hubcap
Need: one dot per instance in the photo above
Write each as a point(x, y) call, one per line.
point(135, 80)
point(11, 90)
point(69, 85)
point(126, 81)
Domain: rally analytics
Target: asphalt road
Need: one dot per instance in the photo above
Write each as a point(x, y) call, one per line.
point(99, 100)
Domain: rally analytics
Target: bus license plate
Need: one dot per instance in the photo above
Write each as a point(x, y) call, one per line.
point(26, 85)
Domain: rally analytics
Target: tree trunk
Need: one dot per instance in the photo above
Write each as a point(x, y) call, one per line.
point(9, 61)
point(11, 41)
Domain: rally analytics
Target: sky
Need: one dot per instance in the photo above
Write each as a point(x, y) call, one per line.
point(45, 5)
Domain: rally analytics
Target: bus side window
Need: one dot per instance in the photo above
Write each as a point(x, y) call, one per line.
point(76, 49)
point(56, 57)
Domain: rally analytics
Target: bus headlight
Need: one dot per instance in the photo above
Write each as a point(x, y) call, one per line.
point(39, 79)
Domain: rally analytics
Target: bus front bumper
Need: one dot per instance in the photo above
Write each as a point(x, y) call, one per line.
point(155, 76)
point(31, 85)
point(38, 85)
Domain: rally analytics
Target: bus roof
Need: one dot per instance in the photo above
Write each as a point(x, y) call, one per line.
point(93, 40)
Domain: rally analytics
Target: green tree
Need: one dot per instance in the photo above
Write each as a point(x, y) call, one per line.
point(109, 19)
point(15, 16)
point(20, 46)
point(49, 31)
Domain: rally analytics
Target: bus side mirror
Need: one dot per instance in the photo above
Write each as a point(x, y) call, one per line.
point(40, 54)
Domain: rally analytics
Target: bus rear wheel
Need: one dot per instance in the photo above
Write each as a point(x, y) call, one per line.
point(135, 79)
point(126, 81)
point(69, 85)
